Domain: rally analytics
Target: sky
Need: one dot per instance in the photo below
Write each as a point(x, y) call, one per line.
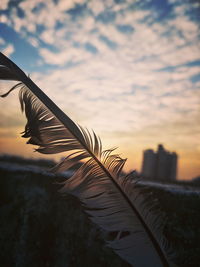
point(129, 70)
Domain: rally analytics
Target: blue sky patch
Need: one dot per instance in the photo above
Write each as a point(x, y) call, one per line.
point(195, 78)
point(125, 28)
point(78, 11)
point(91, 48)
point(108, 42)
point(106, 17)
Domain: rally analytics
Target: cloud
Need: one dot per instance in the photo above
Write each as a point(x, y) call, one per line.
point(96, 7)
point(4, 4)
point(117, 68)
point(48, 36)
point(33, 41)
point(8, 50)
point(185, 27)
point(69, 55)
point(67, 5)
point(2, 42)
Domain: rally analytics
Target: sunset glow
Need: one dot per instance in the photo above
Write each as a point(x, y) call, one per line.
point(129, 70)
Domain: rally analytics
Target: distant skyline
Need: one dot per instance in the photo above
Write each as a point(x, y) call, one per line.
point(129, 70)
point(159, 165)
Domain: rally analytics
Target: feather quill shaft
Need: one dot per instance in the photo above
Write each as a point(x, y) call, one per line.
point(98, 182)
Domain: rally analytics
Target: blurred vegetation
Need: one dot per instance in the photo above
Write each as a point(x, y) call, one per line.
point(40, 228)
point(20, 160)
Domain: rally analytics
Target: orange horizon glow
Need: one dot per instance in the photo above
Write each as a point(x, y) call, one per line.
point(187, 168)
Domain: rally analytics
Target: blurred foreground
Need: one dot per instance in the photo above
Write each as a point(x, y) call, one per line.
point(39, 227)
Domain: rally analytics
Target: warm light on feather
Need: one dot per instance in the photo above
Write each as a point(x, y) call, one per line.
point(113, 201)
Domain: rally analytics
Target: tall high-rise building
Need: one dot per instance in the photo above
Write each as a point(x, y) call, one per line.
point(160, 165)
point(149, 163)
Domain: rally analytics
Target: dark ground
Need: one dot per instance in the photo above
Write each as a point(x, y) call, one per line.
point(40, 228)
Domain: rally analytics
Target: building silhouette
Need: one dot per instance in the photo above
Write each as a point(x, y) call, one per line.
point(160, 165)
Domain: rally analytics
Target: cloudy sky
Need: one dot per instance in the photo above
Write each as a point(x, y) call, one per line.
point(129, 70)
